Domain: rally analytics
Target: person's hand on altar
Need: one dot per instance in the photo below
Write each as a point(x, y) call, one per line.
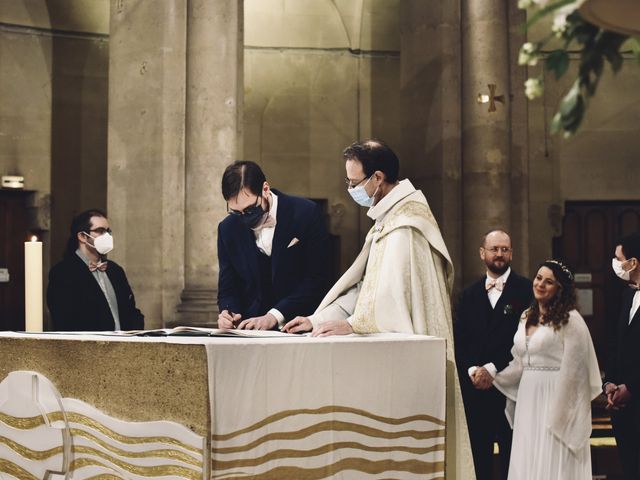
point(265, 322)
point(332, 327)
point(228, 320)
point(482, 379)
point(298, 325)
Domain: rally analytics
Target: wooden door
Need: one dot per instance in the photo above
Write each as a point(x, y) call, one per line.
point(590, 230)
point(13, 233)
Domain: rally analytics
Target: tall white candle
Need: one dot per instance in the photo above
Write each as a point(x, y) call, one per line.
point(33, 285)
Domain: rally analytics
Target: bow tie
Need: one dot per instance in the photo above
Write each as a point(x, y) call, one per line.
point(497, 284)
point(102, 266)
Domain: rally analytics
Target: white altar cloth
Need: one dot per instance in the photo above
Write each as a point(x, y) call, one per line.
point(353, 407)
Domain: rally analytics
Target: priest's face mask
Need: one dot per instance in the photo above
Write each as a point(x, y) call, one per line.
point(362, 189)
point(496, 252)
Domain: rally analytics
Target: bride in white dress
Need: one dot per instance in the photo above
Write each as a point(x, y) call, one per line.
point(550, 383)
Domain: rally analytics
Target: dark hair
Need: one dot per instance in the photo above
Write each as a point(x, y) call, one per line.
point(80, 223)
point(630, 245)
point(559, 306)
point(240, 174)
point(374, 155)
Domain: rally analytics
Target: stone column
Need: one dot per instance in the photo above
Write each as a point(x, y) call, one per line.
point(214, 86)
point(145, 175)
point(430, 93)
point(486, 197)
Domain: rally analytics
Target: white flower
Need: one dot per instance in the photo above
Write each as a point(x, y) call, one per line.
point(560, 17)
point(533, 88)
point(528, 54)
point(524, 4)
point(559, 24)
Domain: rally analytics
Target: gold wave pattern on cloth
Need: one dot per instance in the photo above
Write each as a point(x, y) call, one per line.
point(45, 454)
point(174, 471)
point(333, 426)
point(27, 452)
point(28, 423)
point(90, 456)
point(161, 452)
point(155, 471)
point(331, 447)
point(324, 410)
point(104, 476)
point(421, 444)
point(371, 467)
point(15, 470)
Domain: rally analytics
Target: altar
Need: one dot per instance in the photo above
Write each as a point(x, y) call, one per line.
point(94, 406)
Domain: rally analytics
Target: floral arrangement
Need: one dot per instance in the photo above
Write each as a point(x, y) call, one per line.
point(594, 46)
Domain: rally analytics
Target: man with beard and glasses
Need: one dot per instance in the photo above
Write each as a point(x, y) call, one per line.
point(273, 253)
point(486, 321)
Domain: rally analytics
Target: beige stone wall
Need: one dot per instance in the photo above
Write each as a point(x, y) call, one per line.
point(25, 109)
point(53, 86)
point(598, 163)
point(318, 76)
point(62, 15)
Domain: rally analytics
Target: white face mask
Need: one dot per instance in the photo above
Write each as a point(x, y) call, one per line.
point(102, 244)
point(360, 195)
point(619, 271)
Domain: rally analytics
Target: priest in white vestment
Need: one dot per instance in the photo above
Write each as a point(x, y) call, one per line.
point(400, 282)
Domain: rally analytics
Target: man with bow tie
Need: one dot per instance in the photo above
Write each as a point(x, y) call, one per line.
point(486, 321)
point(273, 253)
point(86, 291)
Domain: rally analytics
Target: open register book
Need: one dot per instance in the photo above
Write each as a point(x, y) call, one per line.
point(207, 332)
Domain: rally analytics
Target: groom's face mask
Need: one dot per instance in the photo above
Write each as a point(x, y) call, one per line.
point(251, 215)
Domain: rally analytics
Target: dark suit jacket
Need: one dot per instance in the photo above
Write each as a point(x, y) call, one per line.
point(624, 351)
point(483, 334)
point(76, 301)
point(300, 273)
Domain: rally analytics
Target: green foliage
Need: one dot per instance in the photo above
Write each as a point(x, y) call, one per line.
point(596, 48)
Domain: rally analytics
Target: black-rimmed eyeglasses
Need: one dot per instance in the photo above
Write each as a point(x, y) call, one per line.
point(101, 230)
point(351, 184)
point(247, 211)
point(496, 250)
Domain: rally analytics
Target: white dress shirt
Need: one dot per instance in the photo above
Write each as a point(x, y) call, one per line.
point(494, 294)
point(634, 306)
point(264, 242)
point(106, 287)
point(264, 236)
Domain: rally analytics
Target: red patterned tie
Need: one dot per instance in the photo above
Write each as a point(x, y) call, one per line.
point(102, 266)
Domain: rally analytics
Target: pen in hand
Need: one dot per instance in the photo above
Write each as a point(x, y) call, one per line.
point(234, 322)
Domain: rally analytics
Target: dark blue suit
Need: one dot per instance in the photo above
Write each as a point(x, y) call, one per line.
point(485, 335)
point(299, 274)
